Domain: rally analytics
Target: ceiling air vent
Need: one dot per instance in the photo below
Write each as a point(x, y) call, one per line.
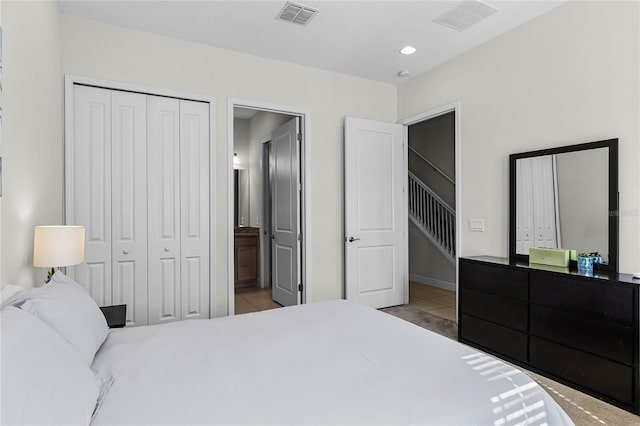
point(465, 14)
point(296, 13)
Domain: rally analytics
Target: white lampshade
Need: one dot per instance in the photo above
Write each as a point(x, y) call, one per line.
point(55, 246)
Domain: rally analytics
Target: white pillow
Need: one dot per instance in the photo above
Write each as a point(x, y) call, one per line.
point(44, 381)
point(9, 291)
point(67, 308)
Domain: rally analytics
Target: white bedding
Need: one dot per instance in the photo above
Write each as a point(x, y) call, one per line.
point(321, 363)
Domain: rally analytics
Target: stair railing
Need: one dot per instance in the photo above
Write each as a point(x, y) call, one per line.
point(433, 216)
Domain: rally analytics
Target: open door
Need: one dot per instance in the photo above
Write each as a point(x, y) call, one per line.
point(284, 161)
point(375, 213)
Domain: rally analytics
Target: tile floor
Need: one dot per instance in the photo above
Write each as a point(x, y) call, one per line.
point(254, 299)
point(434, 300)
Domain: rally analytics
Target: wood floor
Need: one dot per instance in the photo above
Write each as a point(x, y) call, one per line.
point(434, 300)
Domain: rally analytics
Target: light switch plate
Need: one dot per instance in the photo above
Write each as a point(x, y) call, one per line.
point(476, 225)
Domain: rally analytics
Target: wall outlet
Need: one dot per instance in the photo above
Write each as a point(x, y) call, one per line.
point(476, 225)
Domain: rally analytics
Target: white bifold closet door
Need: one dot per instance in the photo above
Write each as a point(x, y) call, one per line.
point(128, 205)
point(139, 180)
point(178, 200)
point(537, 214)
point(89, 198)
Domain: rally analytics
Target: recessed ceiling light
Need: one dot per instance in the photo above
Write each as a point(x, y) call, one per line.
point(408, 50)
point(404, 73)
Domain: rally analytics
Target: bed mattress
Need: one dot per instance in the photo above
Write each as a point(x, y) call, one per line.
point(321, 363)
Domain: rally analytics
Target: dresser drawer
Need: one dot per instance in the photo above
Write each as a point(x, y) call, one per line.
point(502, 310)
point(497, 338)
point(599, 337)
point(583, 296)
point(494, 279)
point(606, 377)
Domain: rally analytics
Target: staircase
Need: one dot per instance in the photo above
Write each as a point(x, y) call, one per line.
point(435, 218)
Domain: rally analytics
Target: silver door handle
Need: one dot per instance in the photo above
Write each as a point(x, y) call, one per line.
point(351, 239)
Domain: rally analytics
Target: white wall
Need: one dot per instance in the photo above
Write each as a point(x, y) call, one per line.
point(567, 77)
point(582, 181)
point(241, 142)
point(115, 53)
point(32, 131)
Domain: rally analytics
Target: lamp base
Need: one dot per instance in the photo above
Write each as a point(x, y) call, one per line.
point(50, 274)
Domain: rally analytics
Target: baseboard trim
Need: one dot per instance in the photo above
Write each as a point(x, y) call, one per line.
point(445, 285)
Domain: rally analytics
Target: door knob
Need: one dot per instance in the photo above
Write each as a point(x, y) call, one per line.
point(273, 237)
point(351, 239)
point(166, 249)
point(125, 251)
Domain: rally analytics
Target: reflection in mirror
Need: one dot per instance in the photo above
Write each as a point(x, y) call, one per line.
point(241, 207)
point(562, 201)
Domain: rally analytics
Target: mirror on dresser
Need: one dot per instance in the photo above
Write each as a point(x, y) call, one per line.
point(565, 197)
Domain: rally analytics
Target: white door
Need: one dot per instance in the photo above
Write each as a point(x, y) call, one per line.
point(285, 193)
point(89, 199)
point(536, 209)
point(129, 204)
point(194, 196)
point(524, 206)
point(375, 213)
point(163, 187)
point(544, 201)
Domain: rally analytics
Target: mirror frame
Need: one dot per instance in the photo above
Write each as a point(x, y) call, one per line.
point(612, 146)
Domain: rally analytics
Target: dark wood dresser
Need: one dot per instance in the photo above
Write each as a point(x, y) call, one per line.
point(580, 330)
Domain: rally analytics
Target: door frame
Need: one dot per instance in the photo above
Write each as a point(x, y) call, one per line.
point(305, 213)
point(70, 80)
point(454, 107)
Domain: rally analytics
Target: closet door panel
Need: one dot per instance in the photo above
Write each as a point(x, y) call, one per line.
point(194, 172)
point(89, 199)
point(129, 204)
point(163, 187)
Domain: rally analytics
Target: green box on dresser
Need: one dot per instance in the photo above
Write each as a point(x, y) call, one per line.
point(580, 330)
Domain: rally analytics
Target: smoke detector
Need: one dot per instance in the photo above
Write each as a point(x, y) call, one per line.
point(296, 13)
point(465, 14)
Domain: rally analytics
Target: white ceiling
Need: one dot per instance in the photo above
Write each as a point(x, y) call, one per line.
point(359, 38)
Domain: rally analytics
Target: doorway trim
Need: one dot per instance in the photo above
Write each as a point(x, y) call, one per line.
point(305, 214)
point(432, 113)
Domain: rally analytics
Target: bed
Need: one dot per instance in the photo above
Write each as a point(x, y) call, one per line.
point(322, 363)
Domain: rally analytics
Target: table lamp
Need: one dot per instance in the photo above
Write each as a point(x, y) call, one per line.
point(58, 246)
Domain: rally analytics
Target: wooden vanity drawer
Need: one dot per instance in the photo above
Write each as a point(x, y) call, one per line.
point(599, 337)
point(608, 378)
point(502, 310)
point(493, 337)
point(497, 280)
point(583, 296)
point(245, 260)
